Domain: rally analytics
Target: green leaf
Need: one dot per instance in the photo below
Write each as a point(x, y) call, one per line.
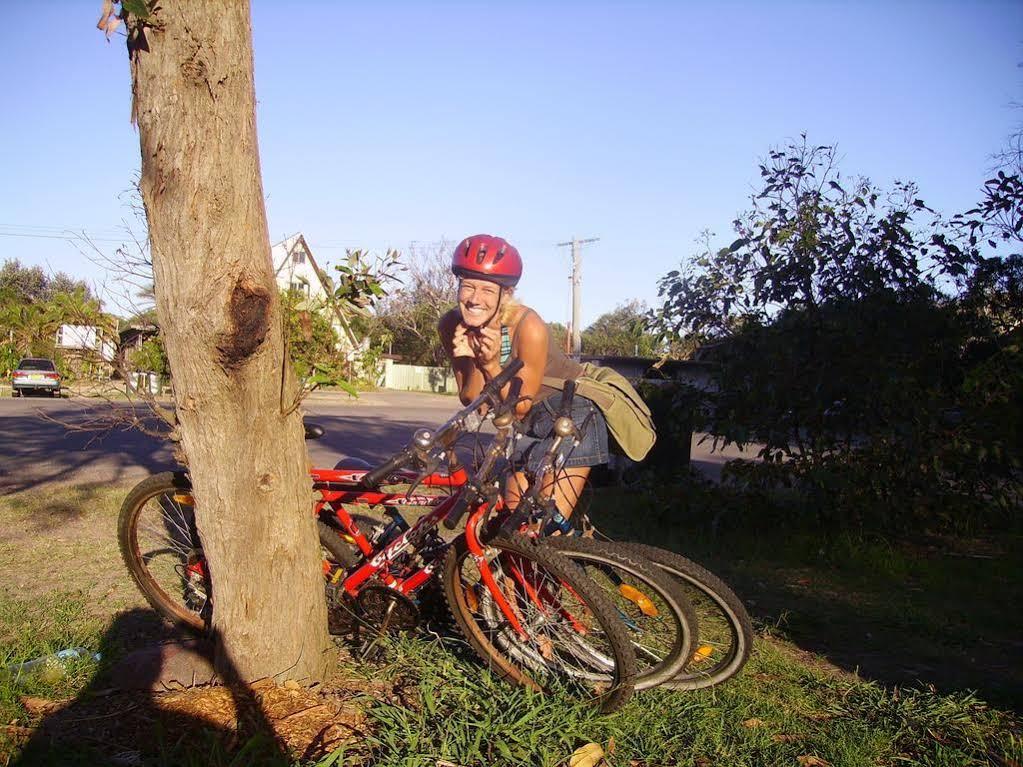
point(348, 387)
point(136, 8)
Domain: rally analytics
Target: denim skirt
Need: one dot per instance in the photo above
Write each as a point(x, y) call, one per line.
point(539, 434)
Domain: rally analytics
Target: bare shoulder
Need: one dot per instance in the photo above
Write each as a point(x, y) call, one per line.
point(529, 326)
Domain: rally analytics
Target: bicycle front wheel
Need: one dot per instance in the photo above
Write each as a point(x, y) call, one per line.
point(653, 606)
point(570, 637)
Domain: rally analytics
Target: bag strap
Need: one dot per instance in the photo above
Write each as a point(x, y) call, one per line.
point(587, 387)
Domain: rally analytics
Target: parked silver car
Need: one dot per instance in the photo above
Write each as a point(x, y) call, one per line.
point(35, 374)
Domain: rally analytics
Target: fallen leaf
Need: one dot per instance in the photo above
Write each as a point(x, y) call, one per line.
point(36, 705)
point(812, 761)
point(586, 756)
point(751, 723)
point(610, 746)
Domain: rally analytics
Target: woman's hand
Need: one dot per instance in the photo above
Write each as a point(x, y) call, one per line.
point(486, 346)
point(460, 346)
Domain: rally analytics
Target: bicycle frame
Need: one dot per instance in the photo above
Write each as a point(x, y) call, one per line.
point(341, 486)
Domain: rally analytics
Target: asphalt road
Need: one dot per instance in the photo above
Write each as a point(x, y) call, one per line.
point(79, 440)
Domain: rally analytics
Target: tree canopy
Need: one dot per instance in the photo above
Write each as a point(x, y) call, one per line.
point(621, 332)
point(855, 329)
point(34, 305)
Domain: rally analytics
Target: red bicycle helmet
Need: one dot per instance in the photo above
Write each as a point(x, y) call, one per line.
point(483, 257)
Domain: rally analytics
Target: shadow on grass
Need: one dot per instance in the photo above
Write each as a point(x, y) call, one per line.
point(108, 724)
point(912, 614)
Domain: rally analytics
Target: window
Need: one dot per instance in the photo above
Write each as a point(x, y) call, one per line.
point(36, 364)
point(298, 256)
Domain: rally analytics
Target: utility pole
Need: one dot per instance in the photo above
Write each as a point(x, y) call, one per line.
point(577, 282)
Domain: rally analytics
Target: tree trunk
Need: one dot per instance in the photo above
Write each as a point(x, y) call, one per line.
point(218, 308)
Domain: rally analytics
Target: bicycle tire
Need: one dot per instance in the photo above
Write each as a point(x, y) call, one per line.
point(659, 617)
point(554, 652)
point(157, 538)
point(154, 568)
point(725, 626)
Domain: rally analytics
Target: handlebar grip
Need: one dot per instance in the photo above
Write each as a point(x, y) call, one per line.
point(567, 394)
point(498, 382)
point(372, 479)
point(454, 516)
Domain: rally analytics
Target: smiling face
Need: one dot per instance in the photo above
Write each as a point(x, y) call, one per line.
point(478, 301)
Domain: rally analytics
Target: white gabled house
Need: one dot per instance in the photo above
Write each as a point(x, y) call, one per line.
point(296, 269)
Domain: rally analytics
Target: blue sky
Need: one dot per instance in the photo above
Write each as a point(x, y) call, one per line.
point(639, 123)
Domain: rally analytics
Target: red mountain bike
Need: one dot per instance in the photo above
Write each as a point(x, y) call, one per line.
point(526, 610)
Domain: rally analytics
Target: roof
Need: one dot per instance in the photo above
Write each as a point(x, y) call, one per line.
point(283, 251)
point(666, 366)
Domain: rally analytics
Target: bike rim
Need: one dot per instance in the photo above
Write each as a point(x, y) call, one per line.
point(562, 638)
point(655, 633)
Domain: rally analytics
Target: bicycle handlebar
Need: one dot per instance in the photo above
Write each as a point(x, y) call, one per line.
point(490, 394)
point(399, 460)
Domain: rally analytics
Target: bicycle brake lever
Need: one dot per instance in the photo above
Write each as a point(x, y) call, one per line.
point(429, 467)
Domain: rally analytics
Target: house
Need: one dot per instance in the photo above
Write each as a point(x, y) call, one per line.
point(131, 339)
point(295, 269)
point(86, 350)
point(134, 335)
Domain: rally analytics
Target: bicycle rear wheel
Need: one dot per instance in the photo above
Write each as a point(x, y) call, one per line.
point(572, 636)
point(652, 605)
point(726, 634)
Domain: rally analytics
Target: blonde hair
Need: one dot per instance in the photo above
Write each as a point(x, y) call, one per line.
point(509, 306)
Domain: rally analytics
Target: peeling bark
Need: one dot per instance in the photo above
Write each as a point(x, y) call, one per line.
point(217, 303)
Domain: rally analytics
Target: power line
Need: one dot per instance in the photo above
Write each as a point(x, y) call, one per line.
point(67, 237)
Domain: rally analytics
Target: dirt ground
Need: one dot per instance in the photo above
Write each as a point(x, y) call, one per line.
point(75, 527)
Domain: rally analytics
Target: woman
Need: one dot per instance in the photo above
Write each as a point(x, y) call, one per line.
point(488, 328)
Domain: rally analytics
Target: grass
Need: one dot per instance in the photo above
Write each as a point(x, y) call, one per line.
point(931, 610)
point(429, 701)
